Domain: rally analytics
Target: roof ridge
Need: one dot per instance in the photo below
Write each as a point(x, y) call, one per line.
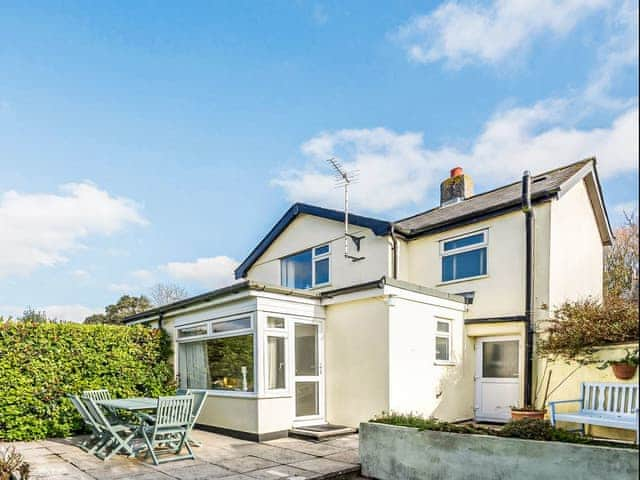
point(547, 172)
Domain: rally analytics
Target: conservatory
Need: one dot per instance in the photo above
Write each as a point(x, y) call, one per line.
point(272, 359)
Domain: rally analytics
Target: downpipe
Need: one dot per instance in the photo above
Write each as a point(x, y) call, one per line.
point(530, 220)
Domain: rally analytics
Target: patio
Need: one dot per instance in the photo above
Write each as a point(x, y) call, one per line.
point(218, 457)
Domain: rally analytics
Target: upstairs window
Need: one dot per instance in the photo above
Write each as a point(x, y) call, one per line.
point(464, 256)
point(306, 269)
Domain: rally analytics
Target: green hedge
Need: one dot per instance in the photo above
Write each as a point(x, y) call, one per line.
point(40, 363)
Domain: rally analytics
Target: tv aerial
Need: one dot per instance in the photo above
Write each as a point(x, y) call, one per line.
point(344, 179)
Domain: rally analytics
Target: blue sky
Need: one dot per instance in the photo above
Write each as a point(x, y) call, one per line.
point(144, 142)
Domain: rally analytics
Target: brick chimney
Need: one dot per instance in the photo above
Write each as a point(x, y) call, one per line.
point(455, 188)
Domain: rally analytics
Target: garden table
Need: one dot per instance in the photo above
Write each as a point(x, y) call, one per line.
point(131, 404)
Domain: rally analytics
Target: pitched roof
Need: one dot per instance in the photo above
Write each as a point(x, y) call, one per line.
point(484, 205)
point(379, 227)
point(544, 185)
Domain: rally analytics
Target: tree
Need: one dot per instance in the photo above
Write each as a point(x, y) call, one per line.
point(125, 306)
point(621, 261)
point(95, 318)
point(32, 315)
point(164, 293)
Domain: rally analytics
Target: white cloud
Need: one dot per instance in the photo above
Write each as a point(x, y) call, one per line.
point(40, 229)
point(397, 169)
point(81, 274)
point(491, 33)
point(67, 313)
point(618, 54)
point(211, 272)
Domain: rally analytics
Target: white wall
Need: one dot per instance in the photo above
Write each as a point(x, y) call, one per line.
point(356, 361)
point(501, 292)
point(576, 250)
point(308, 231)
point(416, 382)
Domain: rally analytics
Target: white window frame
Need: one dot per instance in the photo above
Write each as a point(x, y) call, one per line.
point(281, 333)
point(476, 246)
point(314, 258)
point(252, 330)
point(192, 337)
point(446, 335)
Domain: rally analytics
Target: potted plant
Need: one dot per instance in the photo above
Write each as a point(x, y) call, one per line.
point(530, 411)
point(624, 368)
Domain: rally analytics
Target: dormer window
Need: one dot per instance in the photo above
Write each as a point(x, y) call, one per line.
point(306, 269)
point(464, 257)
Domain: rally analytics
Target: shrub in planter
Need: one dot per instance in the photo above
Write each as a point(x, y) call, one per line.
point(537, 429)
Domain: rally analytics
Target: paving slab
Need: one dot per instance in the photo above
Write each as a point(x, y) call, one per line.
point(200, 472)
point(282, 472)
point(346, 456)
point(275, 454)
point(349, 441)
point(219, 457)
point(246, 464)
point(322, 465)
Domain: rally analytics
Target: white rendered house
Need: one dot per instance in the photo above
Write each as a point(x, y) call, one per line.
point(433, 317)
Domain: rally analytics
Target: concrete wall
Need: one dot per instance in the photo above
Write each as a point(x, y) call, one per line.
point(400, 453)
point(308, 231)
point(417, 383)
point(356, 361)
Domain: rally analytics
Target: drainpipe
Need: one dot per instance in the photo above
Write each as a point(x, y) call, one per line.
point(394, 259)
point(529, 298)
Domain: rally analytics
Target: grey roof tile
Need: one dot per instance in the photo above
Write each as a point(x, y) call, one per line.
point(543, 185)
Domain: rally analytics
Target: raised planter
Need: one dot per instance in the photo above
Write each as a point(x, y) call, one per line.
point(388, 452)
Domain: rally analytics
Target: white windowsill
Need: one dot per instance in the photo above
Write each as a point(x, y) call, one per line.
point(459, 280)
point(233, 394)
point(444, 364)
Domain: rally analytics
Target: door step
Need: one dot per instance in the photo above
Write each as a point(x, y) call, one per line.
point(321, 432)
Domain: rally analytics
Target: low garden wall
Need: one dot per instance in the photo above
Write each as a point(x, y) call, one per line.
point(389, 452)
point(40, 363)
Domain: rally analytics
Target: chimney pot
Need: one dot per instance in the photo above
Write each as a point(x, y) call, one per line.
point(457, 171)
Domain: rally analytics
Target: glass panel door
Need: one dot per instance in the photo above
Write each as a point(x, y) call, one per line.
point(308, 371)
point(497, 378)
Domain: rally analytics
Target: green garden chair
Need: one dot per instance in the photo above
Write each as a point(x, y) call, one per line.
point(198, 403)
point(117, 435)
point(170, 428)
point(97, 438)
point(102, 394)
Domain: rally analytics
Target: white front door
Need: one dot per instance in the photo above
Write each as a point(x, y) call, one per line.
point(497, 378)
point(308, 373)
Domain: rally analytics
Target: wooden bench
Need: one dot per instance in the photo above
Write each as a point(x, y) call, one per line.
point(603, 404)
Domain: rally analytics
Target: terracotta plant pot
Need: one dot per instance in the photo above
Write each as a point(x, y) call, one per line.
point(623, 371)
point(520, 414)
